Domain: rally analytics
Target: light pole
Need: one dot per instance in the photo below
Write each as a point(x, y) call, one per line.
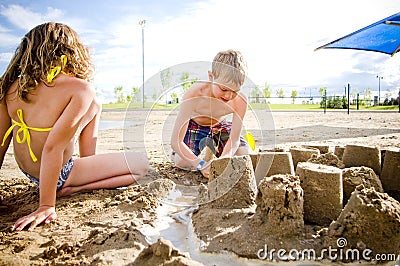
point(143, 24)
point(379, 89)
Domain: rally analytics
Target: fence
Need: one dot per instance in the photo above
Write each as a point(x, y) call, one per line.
point(326, 101)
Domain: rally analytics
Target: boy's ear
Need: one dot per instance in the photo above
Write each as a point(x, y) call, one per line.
point(210, 76)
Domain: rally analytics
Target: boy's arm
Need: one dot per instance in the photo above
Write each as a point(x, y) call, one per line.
point(239, 111)
point(179, 131)
point(4, 126)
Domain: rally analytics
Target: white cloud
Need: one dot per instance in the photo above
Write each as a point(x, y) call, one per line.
point(26, 19)
point(6, 57)
point(8, 40)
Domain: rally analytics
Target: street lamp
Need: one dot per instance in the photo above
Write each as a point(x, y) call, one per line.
point(142, 23)
point(379, 89)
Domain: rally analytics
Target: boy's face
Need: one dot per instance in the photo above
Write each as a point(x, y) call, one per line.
point(222, 90)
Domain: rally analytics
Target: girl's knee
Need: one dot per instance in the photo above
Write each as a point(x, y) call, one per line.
point(138, 163)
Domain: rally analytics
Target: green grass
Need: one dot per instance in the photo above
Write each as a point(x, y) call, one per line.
point(255, 106)
point(138, 106)
point(289, 107)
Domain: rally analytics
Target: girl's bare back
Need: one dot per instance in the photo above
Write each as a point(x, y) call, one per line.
point(44, 109)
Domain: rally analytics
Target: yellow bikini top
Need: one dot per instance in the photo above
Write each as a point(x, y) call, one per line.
point(24, 129)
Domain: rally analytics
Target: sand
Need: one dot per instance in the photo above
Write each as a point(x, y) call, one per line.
point(111, 227)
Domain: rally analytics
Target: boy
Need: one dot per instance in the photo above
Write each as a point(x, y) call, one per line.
point(201, 118)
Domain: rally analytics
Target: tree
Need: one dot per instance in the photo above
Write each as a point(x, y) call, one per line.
point(119, 94)
point(174, 97)
point(321, 91)
point(255, 94)
point(135, 94)
point(267, 91)
point(353, 94)
point(186, 82)
point(165, 77)
point(294, 96)
point(367, 96)
point(280, 93)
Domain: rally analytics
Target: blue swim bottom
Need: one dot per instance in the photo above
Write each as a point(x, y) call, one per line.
point(62, 178)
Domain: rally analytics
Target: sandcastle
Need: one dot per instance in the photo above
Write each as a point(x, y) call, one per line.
point(302, 154)
point(370, 220)
point(355, 176)
point(323, 192)
point(357, 155)
point(280, 205)
point(321, 147)
point(231, 184)
point(280, 208)
point(338, 151)
point(272, 163)
point(390, 176)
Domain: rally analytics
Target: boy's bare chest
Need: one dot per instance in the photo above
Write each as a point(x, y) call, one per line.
point(210, 111)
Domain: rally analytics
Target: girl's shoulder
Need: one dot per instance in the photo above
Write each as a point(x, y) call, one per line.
point(73, 84)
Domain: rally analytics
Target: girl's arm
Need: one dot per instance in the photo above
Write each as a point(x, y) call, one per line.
point(59, 137)
point(5, 124)
point(89, 133)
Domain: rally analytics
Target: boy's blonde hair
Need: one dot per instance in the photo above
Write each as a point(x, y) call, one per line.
point(230, 67)
point(40, 49)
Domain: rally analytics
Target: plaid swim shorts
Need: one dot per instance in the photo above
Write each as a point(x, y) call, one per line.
point(198, 136)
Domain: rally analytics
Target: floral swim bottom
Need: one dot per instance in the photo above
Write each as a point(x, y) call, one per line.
point(62, 178)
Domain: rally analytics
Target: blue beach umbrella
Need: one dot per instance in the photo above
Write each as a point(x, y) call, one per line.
point(382, 36)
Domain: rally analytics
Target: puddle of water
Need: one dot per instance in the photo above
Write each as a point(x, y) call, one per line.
point(174, 223)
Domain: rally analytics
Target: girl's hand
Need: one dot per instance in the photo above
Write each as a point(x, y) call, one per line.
point(44, 214)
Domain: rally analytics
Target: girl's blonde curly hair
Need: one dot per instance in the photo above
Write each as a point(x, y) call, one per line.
point(40, 49)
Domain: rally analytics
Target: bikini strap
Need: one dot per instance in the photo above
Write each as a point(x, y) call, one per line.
point(24, 129)
point(54, 71)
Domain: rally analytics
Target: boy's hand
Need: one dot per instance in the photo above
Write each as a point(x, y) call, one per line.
point(44, 214)
point(205, 171)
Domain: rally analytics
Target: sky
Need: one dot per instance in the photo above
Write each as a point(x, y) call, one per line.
point(277, 39)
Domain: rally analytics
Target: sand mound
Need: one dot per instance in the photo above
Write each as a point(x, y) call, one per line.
point(163, 253)
point(369, 220)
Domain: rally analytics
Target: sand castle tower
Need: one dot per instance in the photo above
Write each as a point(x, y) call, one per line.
point(357, 155)
point(323, 192)
point(231, 184)
point(355, 176)
point(302, 154)
point(272, 163)
point(280, 205)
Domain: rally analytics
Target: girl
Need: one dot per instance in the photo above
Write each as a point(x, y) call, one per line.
point(45, 101)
